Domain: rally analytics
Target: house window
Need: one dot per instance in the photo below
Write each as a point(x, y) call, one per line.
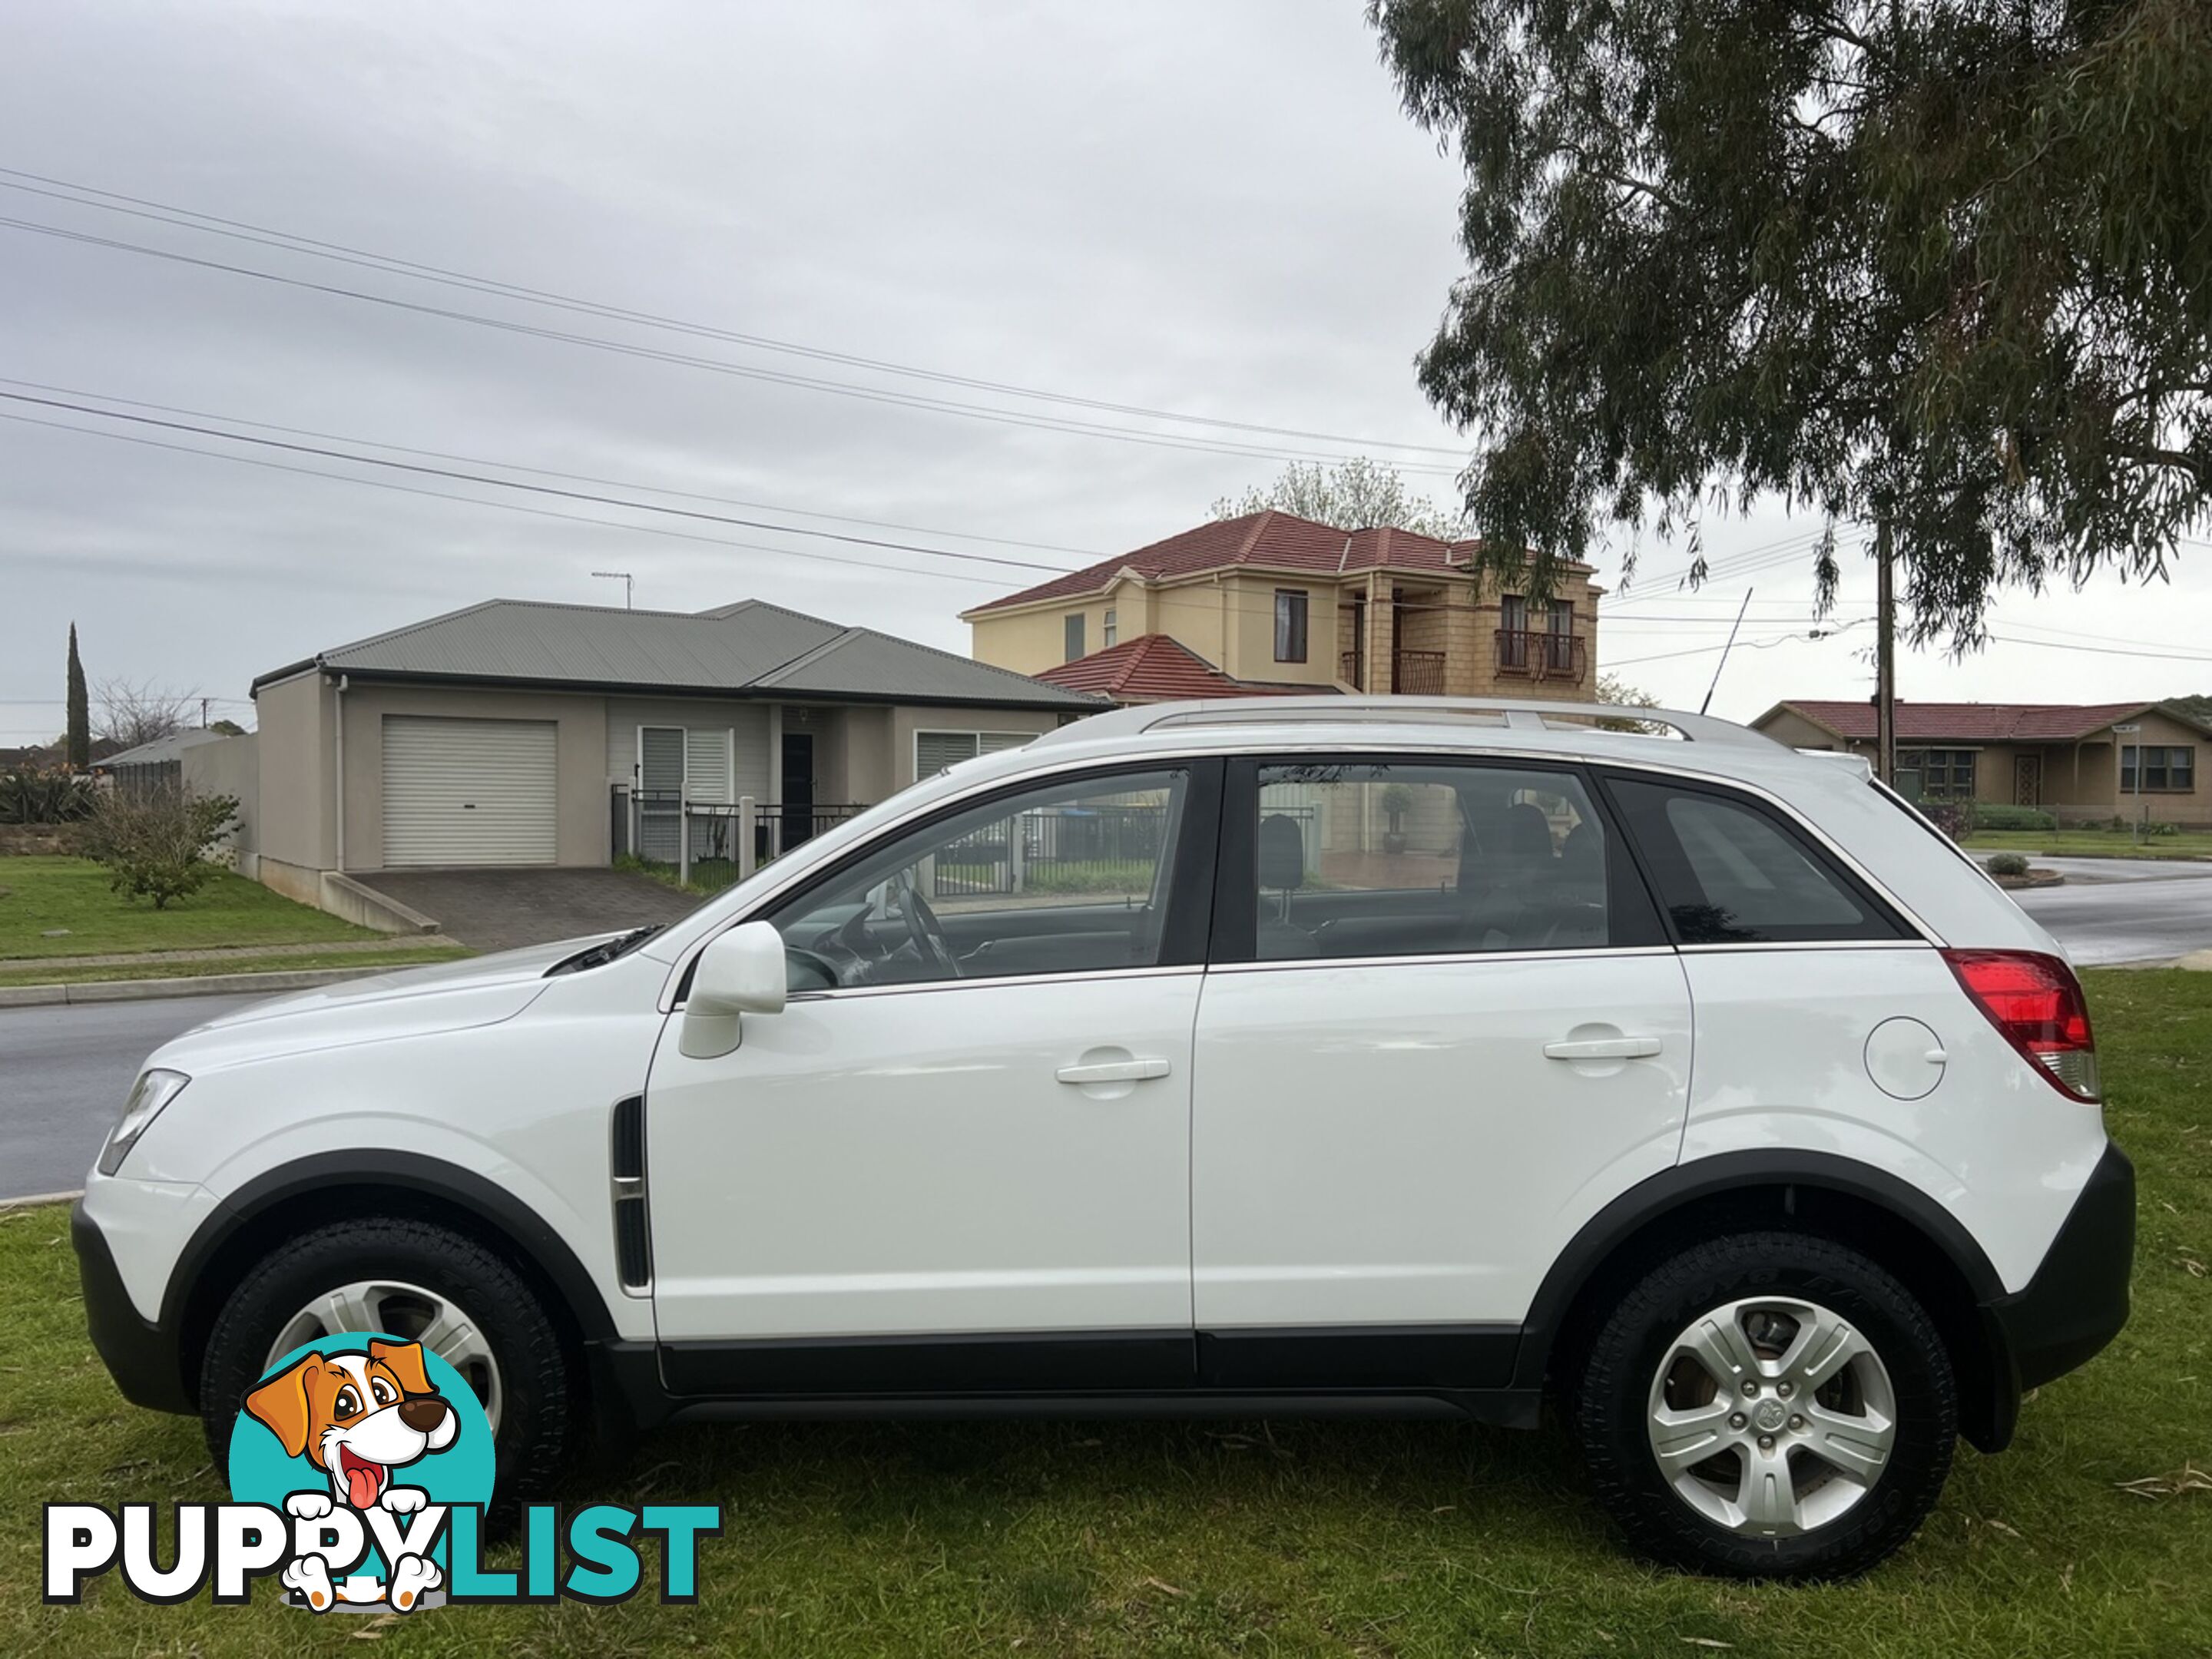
point(1512, 631)
point(1074, 636)
point(935, 750)
point(1945, 773)
point(2158, 771)
point(1290, 624)
point(1109, 632)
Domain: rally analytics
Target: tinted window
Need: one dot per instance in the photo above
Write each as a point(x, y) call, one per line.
point(1069, 877)
point(1730, 874)
point(1376, 860)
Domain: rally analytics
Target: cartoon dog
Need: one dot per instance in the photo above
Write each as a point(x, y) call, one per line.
point(358, 1417)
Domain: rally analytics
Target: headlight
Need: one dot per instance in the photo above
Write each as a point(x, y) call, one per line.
point(153, 1090)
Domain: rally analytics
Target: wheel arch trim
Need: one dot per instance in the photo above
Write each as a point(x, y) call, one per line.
point(1652, 1201)
point(484, 1202)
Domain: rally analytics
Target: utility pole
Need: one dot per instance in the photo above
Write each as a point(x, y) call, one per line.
point(1885, 655)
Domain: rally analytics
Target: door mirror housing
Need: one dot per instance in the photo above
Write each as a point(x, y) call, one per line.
point(740, 972)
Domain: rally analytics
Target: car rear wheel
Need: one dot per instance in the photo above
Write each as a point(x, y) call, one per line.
point(1768, 1405)
point(420, 1283)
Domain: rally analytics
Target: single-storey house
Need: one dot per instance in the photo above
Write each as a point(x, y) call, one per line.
point(2081, 762)
point(519, 732)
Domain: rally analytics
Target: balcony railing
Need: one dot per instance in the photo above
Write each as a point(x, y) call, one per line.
point(1541, 654)
point(1417, 673)
point(1350, 667)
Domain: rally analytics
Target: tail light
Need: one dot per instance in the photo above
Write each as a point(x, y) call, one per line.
point(2036, 1001)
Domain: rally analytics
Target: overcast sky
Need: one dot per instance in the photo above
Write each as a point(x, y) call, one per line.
point(1210, 209)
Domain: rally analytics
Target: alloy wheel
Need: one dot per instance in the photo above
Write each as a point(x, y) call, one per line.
point(1771, 1416)
point(406, 1311)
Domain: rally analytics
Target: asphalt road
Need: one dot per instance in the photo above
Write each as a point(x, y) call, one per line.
point(64, 1072)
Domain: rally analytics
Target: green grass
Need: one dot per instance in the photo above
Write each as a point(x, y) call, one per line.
point(43, 894)
point(50, 972)
point(2090, 844)
point(1227, 1539)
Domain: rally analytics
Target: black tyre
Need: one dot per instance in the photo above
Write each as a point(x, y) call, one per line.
point(418, 1282)
point(1768, 1406)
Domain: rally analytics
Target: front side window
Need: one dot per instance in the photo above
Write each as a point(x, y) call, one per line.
point(1728, 873)
point(1290, 624)
point(1427, 859)
point(2156, 770)
point(1071, 631)
point(1068, 878)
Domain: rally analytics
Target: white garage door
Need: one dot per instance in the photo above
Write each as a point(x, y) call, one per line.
point(468, 792)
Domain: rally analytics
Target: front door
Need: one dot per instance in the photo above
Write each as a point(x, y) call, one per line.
point(959, 1158)
point(798, 789)
point(1454, 1036)
point(2028, 781)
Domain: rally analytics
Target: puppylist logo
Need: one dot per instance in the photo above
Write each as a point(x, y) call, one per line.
point(360, 1467)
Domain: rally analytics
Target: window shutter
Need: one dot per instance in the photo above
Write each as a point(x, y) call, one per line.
point(707, 765)
point(660, 760)
point(935, 750)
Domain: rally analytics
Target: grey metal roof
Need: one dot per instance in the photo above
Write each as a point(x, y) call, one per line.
point(749, 648)
point(161, 749)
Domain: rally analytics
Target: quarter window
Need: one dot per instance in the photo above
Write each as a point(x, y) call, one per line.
point(2151, 770)
point(1070, 877)
point(1290, 624)
point(1728, 873)
point(1390, 860)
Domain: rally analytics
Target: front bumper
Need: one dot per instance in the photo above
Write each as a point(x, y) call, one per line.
point(2078, 1300)
point(141, 1355)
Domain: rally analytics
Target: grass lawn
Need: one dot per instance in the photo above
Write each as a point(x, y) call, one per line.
point(2090, 844)
point(43, 894)
point(1231, 1539)
point(62, 972)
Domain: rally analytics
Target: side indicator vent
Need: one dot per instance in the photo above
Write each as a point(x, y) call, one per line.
point(626, 1163)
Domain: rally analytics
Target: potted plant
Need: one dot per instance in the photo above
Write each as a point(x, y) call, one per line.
point(1397, 801)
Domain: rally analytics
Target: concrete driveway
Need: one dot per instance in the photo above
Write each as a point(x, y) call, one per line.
point(502, 909)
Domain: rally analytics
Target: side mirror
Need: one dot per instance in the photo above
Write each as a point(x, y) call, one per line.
point(740, 972)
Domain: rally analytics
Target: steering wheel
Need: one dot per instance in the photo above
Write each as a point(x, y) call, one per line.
point(926, 931)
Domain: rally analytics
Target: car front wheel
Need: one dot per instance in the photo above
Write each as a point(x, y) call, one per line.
point(420, 1283)
point(1768, 1405)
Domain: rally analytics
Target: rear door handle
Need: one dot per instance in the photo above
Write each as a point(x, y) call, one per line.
point(1619, 1048)
point(1114, 1071)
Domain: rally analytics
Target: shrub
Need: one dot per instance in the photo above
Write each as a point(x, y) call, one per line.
point(1995, 815)
point(156, 842)
point(31, 796)
point(1952, 817)
point(2006, 864)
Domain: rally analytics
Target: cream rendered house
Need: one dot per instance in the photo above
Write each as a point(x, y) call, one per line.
point(1275, 602)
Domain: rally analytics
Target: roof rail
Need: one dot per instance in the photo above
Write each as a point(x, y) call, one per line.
point(1519, 714)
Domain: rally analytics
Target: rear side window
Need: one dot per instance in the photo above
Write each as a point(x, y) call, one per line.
point(1730, 872)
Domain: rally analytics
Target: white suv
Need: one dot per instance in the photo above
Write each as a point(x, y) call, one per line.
point(1303, 1055)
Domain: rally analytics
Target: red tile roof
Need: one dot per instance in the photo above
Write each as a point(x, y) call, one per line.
point(1969, 722)
point(1275, 540)
point(1153, 668)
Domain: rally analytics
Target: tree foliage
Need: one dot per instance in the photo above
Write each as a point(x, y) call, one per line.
point(77, 741)
point(1943, 262)
point(157, 840)
point(1358, 495)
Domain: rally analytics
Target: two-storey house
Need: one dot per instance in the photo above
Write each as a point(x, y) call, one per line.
point(1269, 603)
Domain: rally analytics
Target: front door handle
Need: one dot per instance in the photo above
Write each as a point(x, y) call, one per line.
point(1114, 1071)
point(1619, 1048)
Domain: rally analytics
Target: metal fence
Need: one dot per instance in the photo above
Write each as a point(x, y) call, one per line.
point(1054, 849)
point(711, 844)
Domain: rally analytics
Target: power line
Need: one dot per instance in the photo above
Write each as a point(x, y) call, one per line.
point(712, 365)
point(553, 472)
point(508, 507)
point(2105, 650)
point(359, 460)
point(267, 236)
